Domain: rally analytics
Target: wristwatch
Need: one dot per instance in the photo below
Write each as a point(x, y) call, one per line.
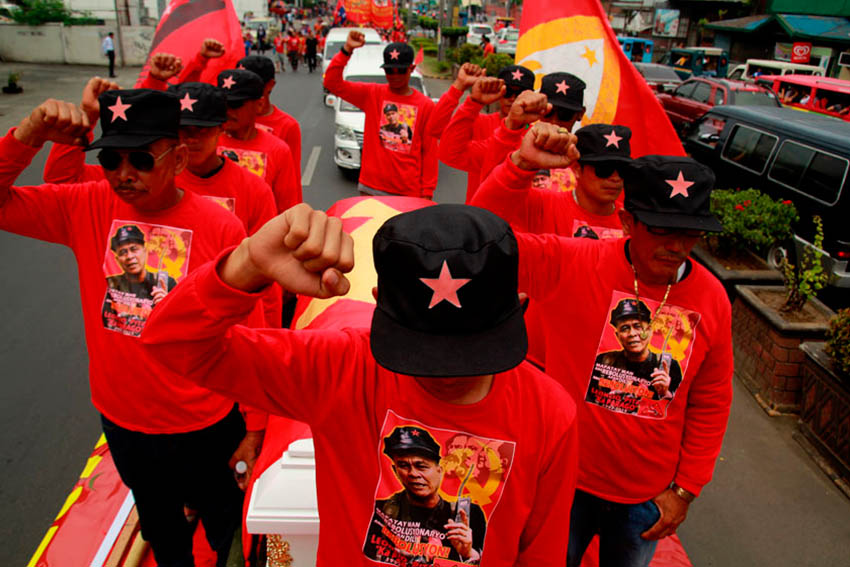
point(347, 54)
point(682, 493)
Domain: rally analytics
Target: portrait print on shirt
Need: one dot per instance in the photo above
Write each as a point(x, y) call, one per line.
point(642, 357)
point(227, 203)
point(563, 179)
point(142, 263)
point(581, 229)
point(396, 127)
point(437, 490)
point(252, 160)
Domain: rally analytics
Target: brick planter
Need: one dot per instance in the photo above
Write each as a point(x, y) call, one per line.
point(825, 412)
point(732, 277)
point(766, 347)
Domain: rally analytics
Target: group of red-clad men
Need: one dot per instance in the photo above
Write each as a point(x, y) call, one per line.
point(613, 432)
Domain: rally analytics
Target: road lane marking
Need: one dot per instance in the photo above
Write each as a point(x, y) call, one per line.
point(307, 176)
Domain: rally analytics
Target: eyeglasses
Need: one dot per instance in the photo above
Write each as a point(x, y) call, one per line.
point(236, 104)
point(665, 231)
point(606, 169)
point(395, 70)
point(110, 160)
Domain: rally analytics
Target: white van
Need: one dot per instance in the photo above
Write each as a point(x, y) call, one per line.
point(335, 41)
point(349, 121)
point(746, 71)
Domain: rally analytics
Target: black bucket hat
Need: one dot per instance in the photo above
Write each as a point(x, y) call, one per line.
point(604, 142)
point(134, 118)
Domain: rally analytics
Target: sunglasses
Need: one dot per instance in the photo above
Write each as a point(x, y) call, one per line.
point(512, 92)
point(395, 70)
point(606, 169)
point(563, 114)
point(110, 160)
point(236, 104)
point(664, 231)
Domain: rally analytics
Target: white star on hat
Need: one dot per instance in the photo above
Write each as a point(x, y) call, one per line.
point(445, 287)
point(187, 103)
point(119, 110)
point(562, 87)
point(613, 139)
point(228, 82)
point(679, 185)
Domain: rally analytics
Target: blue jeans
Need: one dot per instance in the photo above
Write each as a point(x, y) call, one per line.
point(619, 527)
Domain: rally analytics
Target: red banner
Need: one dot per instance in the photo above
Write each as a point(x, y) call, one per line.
point(382, 14)
point(575, 37)
point(184, 26)
point(372, 13)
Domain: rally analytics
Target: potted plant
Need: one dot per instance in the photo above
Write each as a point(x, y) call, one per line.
point(12, 87)
point(826, 397)
point(752, 224)
point(770, 322)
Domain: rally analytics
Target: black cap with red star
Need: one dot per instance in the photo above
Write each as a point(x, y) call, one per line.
point(133, 118)
point(397, 56)
point(670, 192)
point(447, 294)
point(240, 84)
point(411, 440)
point(630, 308)
point(201, 104)
point(259, 64)
point(564, 90)
point(517, 79)
point(604, 142)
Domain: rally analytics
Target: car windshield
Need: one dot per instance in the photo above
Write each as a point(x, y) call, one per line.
point(333, 48)
point(480, 30)
point(755, 98)
point(659, 73)
point(345, 106)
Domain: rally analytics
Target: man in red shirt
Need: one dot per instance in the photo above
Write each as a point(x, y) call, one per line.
point(261, 153)
point(443, 359)
point(487, 46)
point(293, 45)
point(279, 52)
point(271, 118)
point(669, 442)
point(170, 441)
point(387, 166)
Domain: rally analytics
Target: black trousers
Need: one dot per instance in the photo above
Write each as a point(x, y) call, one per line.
point(111, 56)
point(167, 471)
point(311, 61)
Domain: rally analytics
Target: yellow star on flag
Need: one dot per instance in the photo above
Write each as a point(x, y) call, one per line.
point(590, 55)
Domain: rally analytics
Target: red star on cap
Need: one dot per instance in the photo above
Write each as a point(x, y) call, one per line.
point(394, 54)
point(187, 103)
point(613, 139)
point(241, 67)
point(679, 185)
point(414, 432)
point(228, 82)
point(119, 110)
point(517, 75)
point(445, 287)
point(562, 87)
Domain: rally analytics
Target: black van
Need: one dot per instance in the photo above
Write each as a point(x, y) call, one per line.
point(787, 154)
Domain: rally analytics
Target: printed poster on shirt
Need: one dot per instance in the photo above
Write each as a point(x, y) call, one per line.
point(563, 179)
point(396, 128)
point(227, 203)
point(437, 490)
point(252, 160)
point(142, 263)
point(642, 356)
point(582, 229)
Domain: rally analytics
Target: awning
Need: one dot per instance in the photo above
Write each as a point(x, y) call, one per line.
point(815, 27)
point(747, 24)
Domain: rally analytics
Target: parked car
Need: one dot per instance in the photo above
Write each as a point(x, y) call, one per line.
point(694, 97)
point(637, 49)
point(698, 61)
point(754, 67)
point(660, 78)
point(477, 31)
point(335, 41)
point(801, 157)
point(349, 121)
point(506, 39)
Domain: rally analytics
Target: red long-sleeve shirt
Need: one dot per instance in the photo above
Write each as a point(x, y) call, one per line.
point(285, 127)
point(632, 447)
point(330, 380)
point(400, 159)
point(129, 386)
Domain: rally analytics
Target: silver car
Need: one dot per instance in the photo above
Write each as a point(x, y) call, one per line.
point(506, 41)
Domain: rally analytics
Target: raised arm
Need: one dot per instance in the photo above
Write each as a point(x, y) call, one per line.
point(355, 93)
point(457, 147)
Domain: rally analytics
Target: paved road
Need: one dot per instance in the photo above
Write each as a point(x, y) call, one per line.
point(768, 505)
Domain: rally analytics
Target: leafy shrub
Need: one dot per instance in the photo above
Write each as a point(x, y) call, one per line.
point(751, 221)
point(807, 278)
point(496, 62)
point(443, 66)
point(838, 340)
point(466, 53)
point(427, 23)
point(455, 32)
point(37, 12)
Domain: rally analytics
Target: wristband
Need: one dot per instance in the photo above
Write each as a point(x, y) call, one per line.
point(682, 493)
point(343, 51)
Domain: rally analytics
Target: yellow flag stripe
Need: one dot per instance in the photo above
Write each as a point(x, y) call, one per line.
point(42, 546)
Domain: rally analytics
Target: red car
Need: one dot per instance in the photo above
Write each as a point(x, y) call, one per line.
point(695, 97)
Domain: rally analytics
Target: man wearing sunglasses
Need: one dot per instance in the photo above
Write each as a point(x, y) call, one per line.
point(462, 145)
point(387, 167)
point(261, 153)
point(170, 441)
point(269, 117)
point(642, 459)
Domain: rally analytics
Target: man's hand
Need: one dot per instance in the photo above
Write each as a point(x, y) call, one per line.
point(546, 146)
point(661, 379)
point(354, 40)
point(487, 90)
point(459, 535)
point(673, 512)
point(212, 48)
point(529, 107)
point(467, 76)
point(56, 121)
point(158, 294)
point(94, 88)
point(247, 451)
point(305, 251)
point(164, 66)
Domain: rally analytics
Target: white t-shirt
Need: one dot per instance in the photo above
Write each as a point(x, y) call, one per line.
point(107, 45)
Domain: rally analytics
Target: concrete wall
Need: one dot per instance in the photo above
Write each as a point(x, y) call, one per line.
point(56, 43)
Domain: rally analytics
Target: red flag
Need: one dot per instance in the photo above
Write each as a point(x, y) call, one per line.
point(420, 57)
point(358, 11)
point(575, 37)
point(382, 14)
point(184, 26)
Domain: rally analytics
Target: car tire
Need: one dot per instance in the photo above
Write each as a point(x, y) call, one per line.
point(350, 174)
